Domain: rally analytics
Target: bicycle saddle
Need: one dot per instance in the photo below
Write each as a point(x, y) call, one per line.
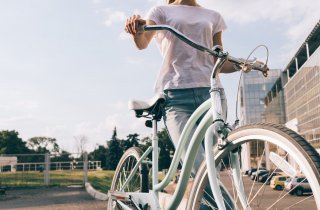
point(152, 106)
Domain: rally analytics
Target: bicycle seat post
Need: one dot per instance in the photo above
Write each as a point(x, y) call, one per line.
point(155, 153)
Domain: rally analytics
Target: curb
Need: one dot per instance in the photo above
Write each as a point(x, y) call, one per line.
point(94, 193)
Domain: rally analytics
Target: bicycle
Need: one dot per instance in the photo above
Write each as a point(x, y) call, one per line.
point(220, 182)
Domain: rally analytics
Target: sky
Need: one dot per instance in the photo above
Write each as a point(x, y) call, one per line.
point(68, 69)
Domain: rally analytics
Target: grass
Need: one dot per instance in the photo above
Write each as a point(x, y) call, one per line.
point(101, 180)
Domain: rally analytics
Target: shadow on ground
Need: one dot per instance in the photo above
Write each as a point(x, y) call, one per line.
point(53, 198)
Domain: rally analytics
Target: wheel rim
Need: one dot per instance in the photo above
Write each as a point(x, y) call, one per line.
point(283, 199)
point(125, 170)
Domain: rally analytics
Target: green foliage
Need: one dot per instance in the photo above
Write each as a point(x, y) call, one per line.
point(10, 143)
point(42, 144)
point(63, 156)
point(131, 141)
point(109, 156)
point(99, 154)
point(166, 149)
point(114, 152)
point(100, 180)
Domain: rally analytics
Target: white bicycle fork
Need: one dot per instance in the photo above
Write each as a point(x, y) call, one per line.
point(211, 140)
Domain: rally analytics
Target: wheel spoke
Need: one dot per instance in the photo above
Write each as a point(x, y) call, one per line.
point(122, 173)
point(299, 201)
point(259, 166)
point(263, 138)
point(264, 184)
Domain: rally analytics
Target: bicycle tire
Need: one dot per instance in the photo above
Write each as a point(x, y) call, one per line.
point(303, 151)
point(131, 156)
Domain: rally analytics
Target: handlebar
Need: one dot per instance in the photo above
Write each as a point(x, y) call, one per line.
point(216, 52)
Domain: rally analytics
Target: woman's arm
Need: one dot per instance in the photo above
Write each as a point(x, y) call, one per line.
point(228, 67)
point(141, 39)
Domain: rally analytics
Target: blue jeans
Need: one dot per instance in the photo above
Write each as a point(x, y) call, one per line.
point(180, 104)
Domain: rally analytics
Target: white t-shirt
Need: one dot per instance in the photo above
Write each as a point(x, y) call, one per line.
point(183, 66)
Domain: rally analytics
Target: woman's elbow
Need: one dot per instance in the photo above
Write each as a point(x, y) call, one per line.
point(141, 46)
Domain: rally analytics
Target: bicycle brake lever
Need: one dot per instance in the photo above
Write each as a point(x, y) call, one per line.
point(265, 70)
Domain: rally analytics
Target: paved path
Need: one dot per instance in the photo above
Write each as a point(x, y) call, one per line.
point(53, 198)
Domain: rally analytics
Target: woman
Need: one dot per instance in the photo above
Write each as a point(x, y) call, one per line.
point(185, 74)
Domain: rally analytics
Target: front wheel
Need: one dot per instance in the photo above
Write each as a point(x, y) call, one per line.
point(254, 144)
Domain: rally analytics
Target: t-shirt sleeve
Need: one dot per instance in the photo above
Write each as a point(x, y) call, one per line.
point(220, 26)
point(155, 14)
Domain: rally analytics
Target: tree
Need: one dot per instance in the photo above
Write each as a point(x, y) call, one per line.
point(166, 149)
point(145, 143)
point(165, 145)
point(81, 142)
point(131, 141)
point(114, 151)
point(100, 155)
point(42, 144)
point(63, 156)
point(10, 143)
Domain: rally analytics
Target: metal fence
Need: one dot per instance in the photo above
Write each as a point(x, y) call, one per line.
point(23, 170)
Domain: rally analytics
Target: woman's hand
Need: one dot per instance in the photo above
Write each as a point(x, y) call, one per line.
point(133, 23)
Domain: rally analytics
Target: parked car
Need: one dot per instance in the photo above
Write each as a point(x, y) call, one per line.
point(267, 177)
point(251, 170)
point(297, 185)
point(255, 175)
point(248, 172)
point(277, 182)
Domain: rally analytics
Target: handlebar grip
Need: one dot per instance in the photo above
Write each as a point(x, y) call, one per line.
point(141, 28)
point(261, 67)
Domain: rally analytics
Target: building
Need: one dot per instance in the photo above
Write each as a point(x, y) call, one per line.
point(297, 91)
point(275, 107)
point(253, 89)
point(291, 97)
point(302, 89)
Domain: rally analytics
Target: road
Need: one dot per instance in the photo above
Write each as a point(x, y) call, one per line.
point(53, 198)
point(267, 196)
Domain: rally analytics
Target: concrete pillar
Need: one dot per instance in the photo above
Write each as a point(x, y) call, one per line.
point(47, 169)
point(245, 157)
point(267, 152)
point(85, 167)
point(308, 51)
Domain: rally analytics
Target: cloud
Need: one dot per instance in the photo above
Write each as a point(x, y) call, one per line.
point(126, 124)
point(134, 60)
point(66, 134)
point(119, 105)
point(293, 19)
point(296, 16)
point(96, 1)
point(29, 104)
point(248, 11)
point(98, 132)
point(113, 17)
point(14, 119)
point(124, 36)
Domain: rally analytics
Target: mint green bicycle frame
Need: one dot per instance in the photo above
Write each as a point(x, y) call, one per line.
point(215, 112)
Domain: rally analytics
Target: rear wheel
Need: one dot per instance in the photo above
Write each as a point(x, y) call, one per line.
point(124, 168)
point(260, 140)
